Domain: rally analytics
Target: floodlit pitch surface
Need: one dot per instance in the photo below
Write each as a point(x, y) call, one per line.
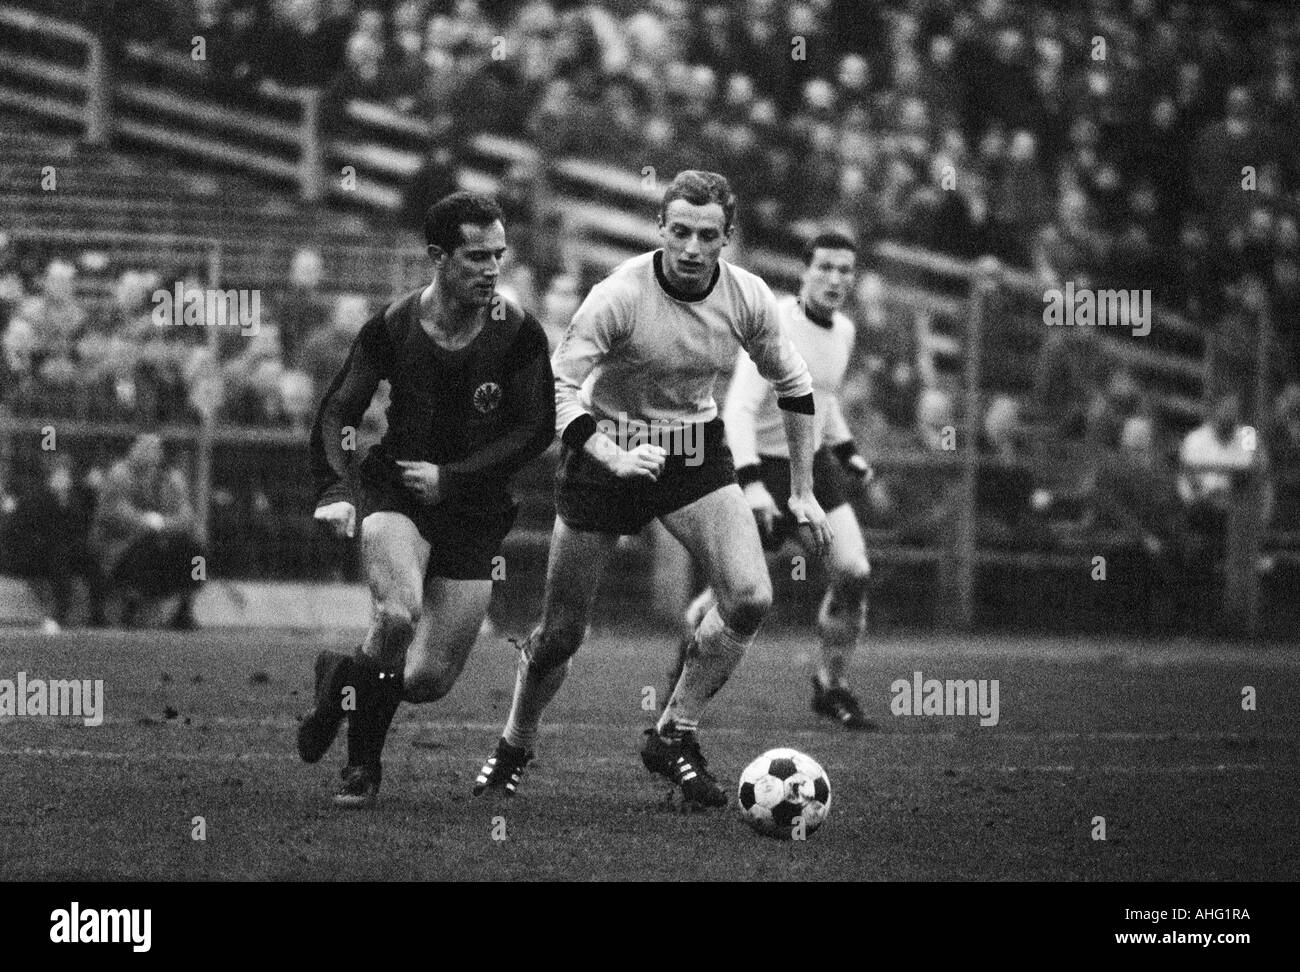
point(1152, 737)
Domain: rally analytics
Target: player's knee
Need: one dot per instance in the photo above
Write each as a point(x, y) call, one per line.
point(395, 620)
point(427, 686)
point(746, 607)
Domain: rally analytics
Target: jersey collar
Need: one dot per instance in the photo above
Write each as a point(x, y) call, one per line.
point(676, 294)
point(823, 321)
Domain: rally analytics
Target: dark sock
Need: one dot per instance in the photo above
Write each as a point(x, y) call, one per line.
point(379, 693)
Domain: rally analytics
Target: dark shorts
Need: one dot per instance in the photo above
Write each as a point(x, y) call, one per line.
point(463, 537)
point(830, 489)
point(589, 497)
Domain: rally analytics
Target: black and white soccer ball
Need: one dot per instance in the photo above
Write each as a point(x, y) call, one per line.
point(785, 793)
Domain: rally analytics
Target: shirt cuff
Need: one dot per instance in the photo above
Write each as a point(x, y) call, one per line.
point(845, 451)
point(577, 432)
point(803, 404)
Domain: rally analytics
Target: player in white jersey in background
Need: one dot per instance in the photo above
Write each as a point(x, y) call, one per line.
point(646, 349)
point(824, 337)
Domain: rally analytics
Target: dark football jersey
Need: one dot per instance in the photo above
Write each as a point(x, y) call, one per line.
point(479, 413)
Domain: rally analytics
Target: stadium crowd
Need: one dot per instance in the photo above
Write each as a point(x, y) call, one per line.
point(1106, 141)
point(1127, 143)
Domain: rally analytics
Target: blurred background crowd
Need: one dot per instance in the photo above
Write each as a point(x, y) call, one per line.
point(1102, 140)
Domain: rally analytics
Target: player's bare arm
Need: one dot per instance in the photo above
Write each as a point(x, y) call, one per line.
point(334, 431)
point(646, 461)
point(813, 528)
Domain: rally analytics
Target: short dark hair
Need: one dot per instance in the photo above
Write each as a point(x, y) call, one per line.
point(828, 240)
point(443, 220)
point(699, 188)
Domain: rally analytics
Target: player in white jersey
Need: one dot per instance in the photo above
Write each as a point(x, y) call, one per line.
point(824, 337)
point(640, 361)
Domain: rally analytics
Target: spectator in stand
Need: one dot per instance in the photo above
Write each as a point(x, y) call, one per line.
point(159, 390)
point(1134, 495)
point(228, 30)
point(301, 42)
point(1222, 152)
point(435, 179)
point(1005, 485)
point(46, 540)
point(921, 503)
point(1021, 203)
point(1232, 345)
point(56, 320)
point(1073, 366)
point(559, 304)
point(1209, 457)
point(1283, 438)
point(12, 291)
point(112, 344)
point(301, 308)
point(327, 349)
point(1072, 244)
point(885, 406)
point(145, 534)
point(365, 76)
point(1119, 401)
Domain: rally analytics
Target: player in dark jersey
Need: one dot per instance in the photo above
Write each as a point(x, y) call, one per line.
point(472, 401)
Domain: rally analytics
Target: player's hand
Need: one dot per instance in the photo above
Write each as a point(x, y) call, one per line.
point(643, 462)
point(811, 520)
point(340, 517)
point(421, 478)
point(762, 506)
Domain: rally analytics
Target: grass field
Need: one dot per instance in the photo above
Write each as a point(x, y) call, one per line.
point(1152, 737)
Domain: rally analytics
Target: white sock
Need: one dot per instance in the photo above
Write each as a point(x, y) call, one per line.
point(841, 623)
point(717, 652)
point(533, 693)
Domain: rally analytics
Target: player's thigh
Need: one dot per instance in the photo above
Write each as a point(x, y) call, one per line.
point(719, 531)
point(574, 568)
point(395, 556)
point(449, 626)
point(848, 553)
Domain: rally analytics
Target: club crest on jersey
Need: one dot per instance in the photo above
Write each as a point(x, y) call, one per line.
point(487, 396)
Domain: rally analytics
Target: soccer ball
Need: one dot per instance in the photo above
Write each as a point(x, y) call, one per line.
point(784, 793)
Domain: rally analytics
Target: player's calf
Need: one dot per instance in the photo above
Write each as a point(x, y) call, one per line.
point(378, 695)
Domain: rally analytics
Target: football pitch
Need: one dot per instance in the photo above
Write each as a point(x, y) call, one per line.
point(1145, 743)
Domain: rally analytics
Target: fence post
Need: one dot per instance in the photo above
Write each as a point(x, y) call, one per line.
point(967, 553)
point(99, 93)
point(207, 416)
point(311, 147)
